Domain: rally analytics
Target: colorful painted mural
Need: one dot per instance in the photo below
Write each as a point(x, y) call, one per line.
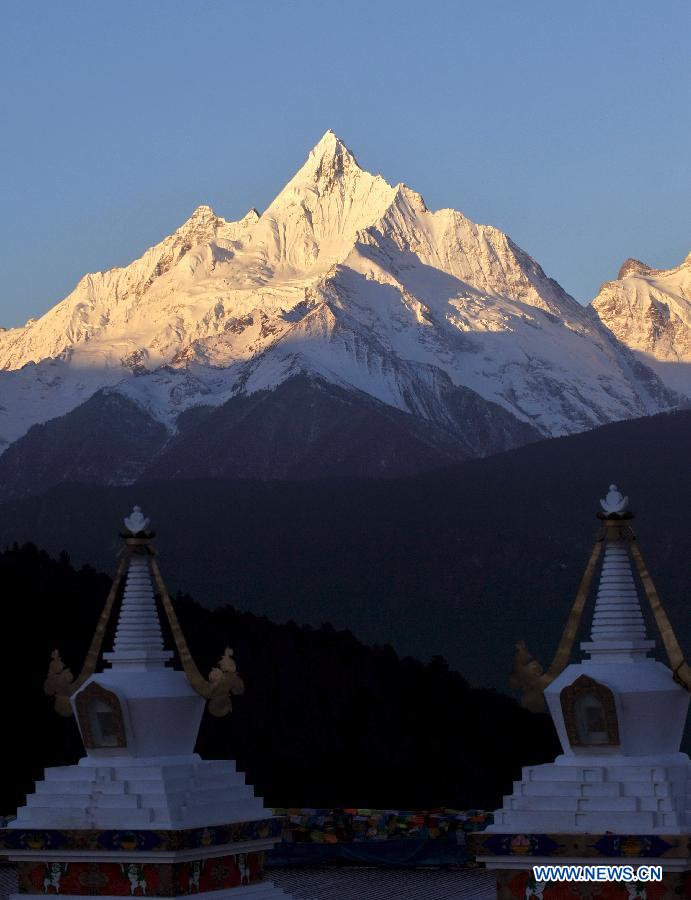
point(133, 879)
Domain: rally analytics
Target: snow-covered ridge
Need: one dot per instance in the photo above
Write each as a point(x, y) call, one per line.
point(343, 276)
point(649, 310)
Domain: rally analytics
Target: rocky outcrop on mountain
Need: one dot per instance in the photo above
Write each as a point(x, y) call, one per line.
point(649, 311)
point(633, 266)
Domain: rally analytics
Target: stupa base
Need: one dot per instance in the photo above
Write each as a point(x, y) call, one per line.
point(209, 875)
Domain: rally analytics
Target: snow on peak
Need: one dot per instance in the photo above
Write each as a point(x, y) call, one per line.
point(633, 266)
point(330, 152)
point(649, 311)
point(202, 213)
point(203, 224)
point(250, 217)
point(346, 275)
point(329, 165)
point(328, 139)
point(314, 221)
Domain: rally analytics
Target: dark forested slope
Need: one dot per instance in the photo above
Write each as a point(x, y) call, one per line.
point(324, 721)
point(458, 563)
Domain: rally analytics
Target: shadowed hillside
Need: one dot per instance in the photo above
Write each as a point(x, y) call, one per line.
point(457, 563)
point(324, 721)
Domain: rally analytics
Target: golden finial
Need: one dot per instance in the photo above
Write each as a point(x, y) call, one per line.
point(225, 682)
point(527, 676)
point(59, 684)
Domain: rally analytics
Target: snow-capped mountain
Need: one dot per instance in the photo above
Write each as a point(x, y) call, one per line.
point(350, 282)
point(649, 310)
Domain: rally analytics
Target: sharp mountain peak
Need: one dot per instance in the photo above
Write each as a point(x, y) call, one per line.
point(632, 266)
point(343, 276)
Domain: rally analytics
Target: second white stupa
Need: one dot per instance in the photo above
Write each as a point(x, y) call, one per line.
point(619, 714)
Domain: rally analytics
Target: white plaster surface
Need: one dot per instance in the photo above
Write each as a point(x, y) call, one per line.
point(148, 793)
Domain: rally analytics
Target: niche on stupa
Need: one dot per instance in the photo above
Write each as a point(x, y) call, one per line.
point(100, 718)
point(590, 714)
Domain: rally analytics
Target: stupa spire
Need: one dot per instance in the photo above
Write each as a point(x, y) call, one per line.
point(138, 636)
point(139, 642)
point(618, 630)
point(617, 613)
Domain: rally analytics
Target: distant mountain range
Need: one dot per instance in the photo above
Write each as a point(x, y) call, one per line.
point(347, 330)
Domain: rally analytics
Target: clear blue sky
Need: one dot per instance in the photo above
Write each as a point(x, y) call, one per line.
point(567, 124)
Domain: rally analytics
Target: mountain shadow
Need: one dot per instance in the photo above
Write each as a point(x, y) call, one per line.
point(106, 440)
point(306, 428)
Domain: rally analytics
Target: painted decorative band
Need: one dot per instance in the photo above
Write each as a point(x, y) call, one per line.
point(132, 879)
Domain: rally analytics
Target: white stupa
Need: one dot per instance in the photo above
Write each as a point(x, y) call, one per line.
point(173, 822)
point(619, 714)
